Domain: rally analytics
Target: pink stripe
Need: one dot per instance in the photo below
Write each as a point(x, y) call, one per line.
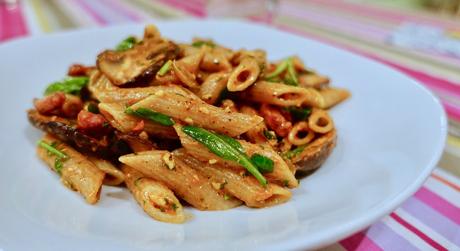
point(451, 110)
point(98, 18)
point(382, 13)
point(439, 204)
point(428, 80)
point(127, 12)
point(333, 21)
point(419, 233)
point(359, 242)
point(199, 11)
point(12, 23)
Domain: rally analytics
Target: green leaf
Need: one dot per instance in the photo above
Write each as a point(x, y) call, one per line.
point(157, 117)
point(165, 68)
point(231, 141)
point(264, 164)
point(203, 42)
point(92, 107)
point(71, 85)
point(279, 69)
point(221, 147)
point(294, 152)
point(51, 149)
point(126, 44)
point(298, 113)
point(292, 75)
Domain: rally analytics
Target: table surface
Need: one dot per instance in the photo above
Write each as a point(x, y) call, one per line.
point(430, 220)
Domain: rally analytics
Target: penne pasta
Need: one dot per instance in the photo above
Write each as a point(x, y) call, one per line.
point(310, 80)
point(333, 96)
point(216, 60)
point(183, 105)
point(77, 172)
point(186, 182)
point(243, 187)
point(280, 174)
point(157, 200)
point(244, 75)
point(295, 137)
point(113, 176)
point(103, 90)
point(282, 94)
point(116, 116)
point(320, 121)
point(257, 134)
point(212, 87)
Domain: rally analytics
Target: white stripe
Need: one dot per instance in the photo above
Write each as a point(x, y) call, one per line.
point(446, 175)
point(443, 190)
point(425, 229)
point(30, 16)
point(78, 15)
point(407, 234)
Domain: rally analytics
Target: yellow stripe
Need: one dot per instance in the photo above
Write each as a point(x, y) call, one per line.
point(453, 141)
point(42, 21)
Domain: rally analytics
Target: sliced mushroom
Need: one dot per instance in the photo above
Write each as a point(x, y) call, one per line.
point(314, 155)
point(138, 63)
point(66, 131)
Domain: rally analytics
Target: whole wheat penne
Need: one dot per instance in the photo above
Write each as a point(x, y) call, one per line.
point(116, 116)
point(77, 172)
point(333, 96)
point(183, 105)
point(186, 182)
point(282, 94)
point(113, 176)
point(213, 86)
point(241, 186)
point(157, 200)
point(244, 75)
point(280, 175)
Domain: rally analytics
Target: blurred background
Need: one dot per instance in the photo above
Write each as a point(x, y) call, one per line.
point(420, 38)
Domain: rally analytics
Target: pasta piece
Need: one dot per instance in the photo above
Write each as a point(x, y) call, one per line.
point(115, 114)
point(103, 90)
point(186, 182)
point(213, 86)
point(280, 174)
point(185, 76)
point(243, 187)
point(320, 121)
point(157, 200)
point(216, 59)
point(258, 134)
point(313, 81)
point(295, 134)
point(229, 106)
point(181, 104)
point(333, 96)
point(113, 176)
point(77, 172)
point(282, 94)
point(244, 75)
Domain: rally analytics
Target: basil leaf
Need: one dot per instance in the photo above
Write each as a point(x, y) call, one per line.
point(51, 149)
point(71, 85)
point(203, 42)
point(126, 44)
point(231, 141)
point(269, 134)
point(165, 68)
point(221, 147)
point(298, 113)
point(292, 75)
point(280, 68)
point(157, 117)
point(294, 152)
point(264, 164)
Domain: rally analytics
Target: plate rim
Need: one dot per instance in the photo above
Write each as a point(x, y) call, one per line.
point(349, 227)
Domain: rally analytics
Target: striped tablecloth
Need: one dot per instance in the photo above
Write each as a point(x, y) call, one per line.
point(429, 220)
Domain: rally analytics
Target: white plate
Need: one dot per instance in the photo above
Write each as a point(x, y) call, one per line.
point(391, 134)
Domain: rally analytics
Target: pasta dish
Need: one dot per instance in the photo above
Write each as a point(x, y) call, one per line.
point(194, 124)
